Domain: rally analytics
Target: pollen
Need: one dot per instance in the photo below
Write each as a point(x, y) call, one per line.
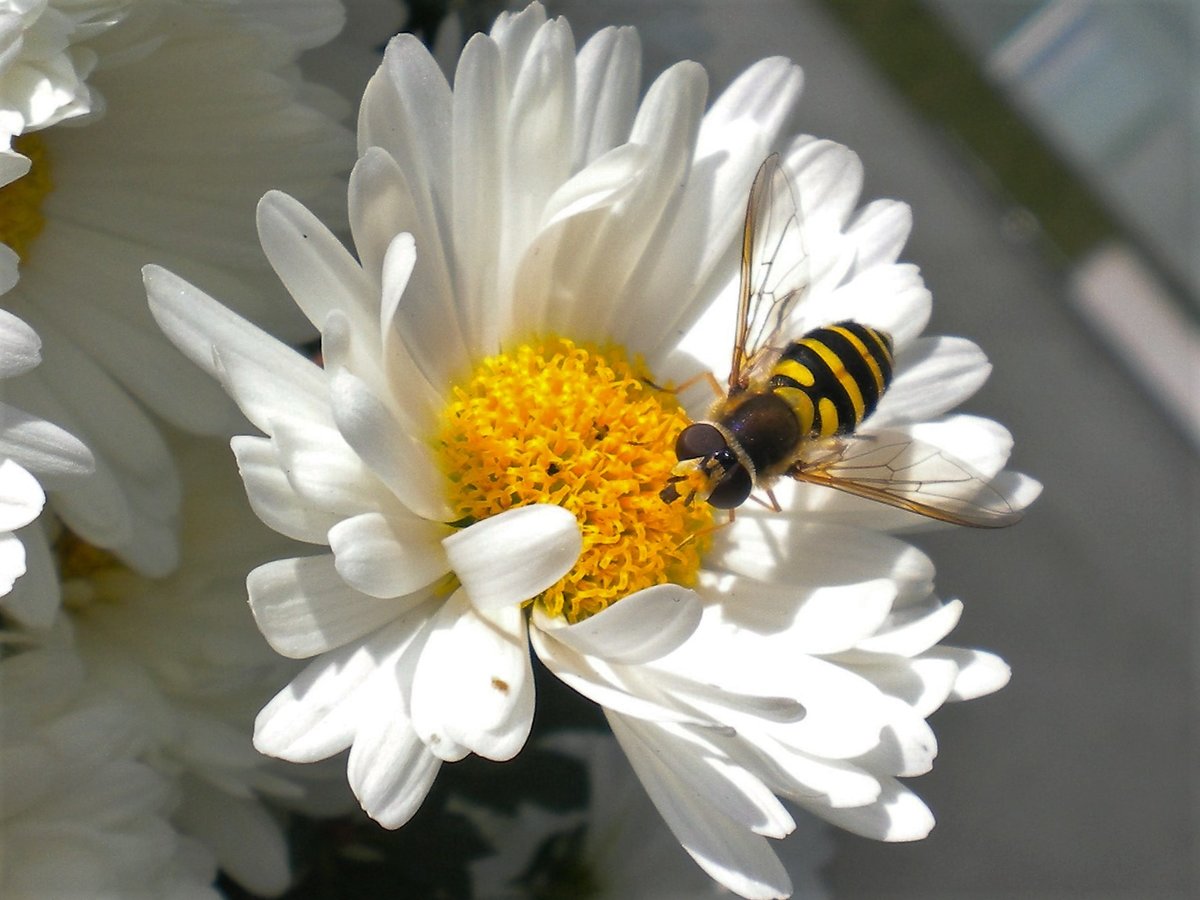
point(21, 219)
point(577, 426)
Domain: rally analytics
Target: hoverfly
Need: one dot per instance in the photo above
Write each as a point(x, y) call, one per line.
point(792, 407)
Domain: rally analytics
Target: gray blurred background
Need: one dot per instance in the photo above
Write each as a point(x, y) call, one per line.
point(1077, 780)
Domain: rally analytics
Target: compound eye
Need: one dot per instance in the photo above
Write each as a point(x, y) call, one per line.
point(733, 490)
point(698, 440)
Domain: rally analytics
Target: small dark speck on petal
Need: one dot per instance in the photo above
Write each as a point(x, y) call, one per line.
point(500, 684)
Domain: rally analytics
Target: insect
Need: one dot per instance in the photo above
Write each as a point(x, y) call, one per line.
point(792, 407)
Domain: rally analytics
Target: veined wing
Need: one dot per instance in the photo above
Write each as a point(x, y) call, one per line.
point(896, 469)
point(774, 271)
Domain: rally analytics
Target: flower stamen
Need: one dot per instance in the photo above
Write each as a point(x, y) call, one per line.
point(577, 426)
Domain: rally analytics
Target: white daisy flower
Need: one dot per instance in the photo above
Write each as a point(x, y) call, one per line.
point(184, 653)
point(43, 67)
point(616, 847)
point(32, 453)
point(203, 113)
point(484, 452)
point(82, 816)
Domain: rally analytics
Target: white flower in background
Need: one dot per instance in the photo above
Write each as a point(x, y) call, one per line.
point(81, 815)
point(43, 68)
point(183, 651)
point(616, 848)
point(33, 454)
point(481, 437)
point(204, 110)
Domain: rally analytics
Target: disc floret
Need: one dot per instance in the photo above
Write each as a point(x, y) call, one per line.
point(578, 426)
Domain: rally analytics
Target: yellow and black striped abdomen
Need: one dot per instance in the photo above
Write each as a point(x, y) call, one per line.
point(833, 377)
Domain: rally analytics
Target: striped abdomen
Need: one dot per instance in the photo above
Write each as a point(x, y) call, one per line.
point(833, 377)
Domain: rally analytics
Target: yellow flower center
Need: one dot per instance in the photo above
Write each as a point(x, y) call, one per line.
point(21, 219)
point(89, 575)
point(576, 426)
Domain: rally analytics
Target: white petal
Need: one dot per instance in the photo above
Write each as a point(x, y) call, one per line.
point(608, 76)
point(34, 600)
point(261, 395)
point(390, 769)
point(819, 620)
point(508, 558)
point(318, 713)
point(378, 190)
point(12, 567)
point(765, 666)
point(474, 682)
point(1018, 489)
point(396, 269)
point(979, 673)
point(598, 261)
point(879, 233)
point(898, 816)
point(284, 380)
point(913, 631)
point(416, 317)
point(604, 182)
point(922, 684)
point(422, 402)
point(774, 550)
point(323, 470)
point(303, 607)
point(514, 33)
point(623, 690)
point(827, 176)
point(406, 110)
point(538, 140)
point(20, 347)
point(731, 854)
point(761, 98)
point(891, 298)
point(737, 132)
point(477, 211)
point(733, 790)
point(53, 454)
point(933, 375)
point(569, 229)
point(21, 496)
point(638, 628)
point(983, 444)
point(317, 270)
point(387, 556)
point(355, 363)
point(907, 746)
point(807, 778)
point(272, 496)
point(394, 455)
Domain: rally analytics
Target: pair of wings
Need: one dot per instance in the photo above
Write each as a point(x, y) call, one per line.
point(891, 468)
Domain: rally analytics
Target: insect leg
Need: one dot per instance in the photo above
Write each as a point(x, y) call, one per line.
point(680, 388)
point(711, 529)
point(773, 506)
point(706, 375)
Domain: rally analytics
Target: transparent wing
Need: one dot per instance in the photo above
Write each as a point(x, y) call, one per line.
point(894, 468)
point(774, 272)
